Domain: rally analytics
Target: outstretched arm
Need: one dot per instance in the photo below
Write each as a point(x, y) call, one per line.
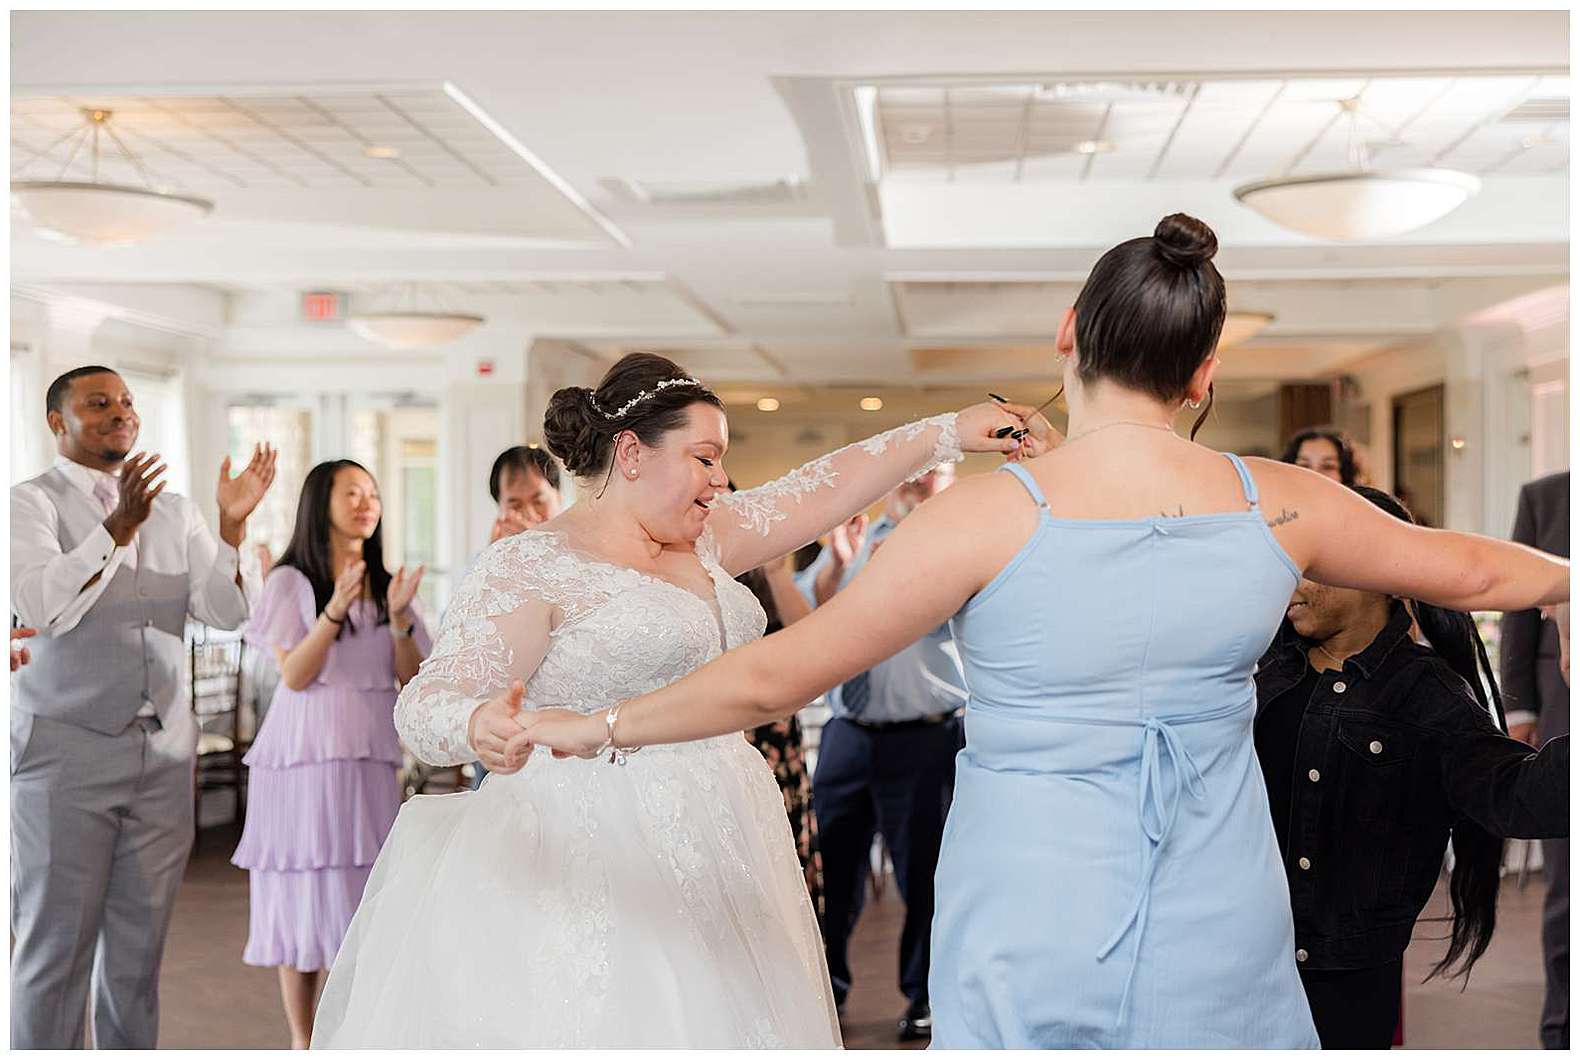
point(463, 702)
point(753, 526)
point(930, 566)
point(1509, 789)
point(1342, 539)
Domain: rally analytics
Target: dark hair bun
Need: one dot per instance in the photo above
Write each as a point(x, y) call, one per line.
point(644, 393)
point(571, 429)
point(1183, 241)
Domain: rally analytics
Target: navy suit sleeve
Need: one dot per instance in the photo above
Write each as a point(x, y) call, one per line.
point(1520, 631)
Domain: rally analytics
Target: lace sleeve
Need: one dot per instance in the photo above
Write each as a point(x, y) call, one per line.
point(753, 526)
point(496, 630)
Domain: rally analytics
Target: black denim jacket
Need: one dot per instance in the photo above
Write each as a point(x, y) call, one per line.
point(1393, 751)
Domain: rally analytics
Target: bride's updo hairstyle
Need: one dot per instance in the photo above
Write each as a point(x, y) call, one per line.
point(1152, 310)
point(643, 393)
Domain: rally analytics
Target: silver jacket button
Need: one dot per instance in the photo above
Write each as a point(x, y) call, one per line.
point(1301, 956)
point(1305, 863)
point(1314, 775)
point(1340, 687)
point(1375, 747)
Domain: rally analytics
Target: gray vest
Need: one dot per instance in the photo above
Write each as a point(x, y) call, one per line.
point(129, 648)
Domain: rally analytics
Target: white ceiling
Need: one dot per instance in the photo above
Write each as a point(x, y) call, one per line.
point(1242, 129)
point(367, 141)
point(703, 182)
point(313, 139)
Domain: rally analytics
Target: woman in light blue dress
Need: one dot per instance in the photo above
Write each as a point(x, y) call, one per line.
point(1109, 875)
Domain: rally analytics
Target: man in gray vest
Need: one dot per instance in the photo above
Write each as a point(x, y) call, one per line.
point(106, 566)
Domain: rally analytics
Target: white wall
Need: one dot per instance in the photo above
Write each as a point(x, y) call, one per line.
point(49, 337)
point(1504, 370)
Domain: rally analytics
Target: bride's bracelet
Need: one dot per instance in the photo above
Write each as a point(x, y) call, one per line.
point(617, 755)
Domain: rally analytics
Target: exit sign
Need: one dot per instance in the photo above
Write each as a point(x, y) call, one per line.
point(323, 306)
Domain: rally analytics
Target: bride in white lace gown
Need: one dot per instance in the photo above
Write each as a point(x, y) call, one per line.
point(574, 903)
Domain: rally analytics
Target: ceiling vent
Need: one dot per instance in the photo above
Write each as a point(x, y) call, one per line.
point(1538, 110)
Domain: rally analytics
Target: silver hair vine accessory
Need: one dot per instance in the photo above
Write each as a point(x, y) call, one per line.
point(645, 395)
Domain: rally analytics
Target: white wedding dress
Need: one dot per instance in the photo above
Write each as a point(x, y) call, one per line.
point(578, 903)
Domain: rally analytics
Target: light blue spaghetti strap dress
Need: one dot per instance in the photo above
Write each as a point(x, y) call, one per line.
point(1109, 874)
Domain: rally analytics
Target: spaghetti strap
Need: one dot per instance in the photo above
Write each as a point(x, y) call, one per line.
point(1247, 483)
point(1027, 481)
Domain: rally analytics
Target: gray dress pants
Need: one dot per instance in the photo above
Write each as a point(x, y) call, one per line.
point(101, 827)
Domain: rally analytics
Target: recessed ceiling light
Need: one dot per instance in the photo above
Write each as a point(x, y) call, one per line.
point(768, 404)
point(1538, 140)
point(871, 404)
point(916, 133)
point(1093, 147)
point(381, 151)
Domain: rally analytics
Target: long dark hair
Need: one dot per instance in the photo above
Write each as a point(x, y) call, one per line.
point(309, 549)
point(1478, 854)
point(1340, 442)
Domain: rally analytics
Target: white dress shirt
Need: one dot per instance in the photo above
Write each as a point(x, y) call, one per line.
point(49, 587)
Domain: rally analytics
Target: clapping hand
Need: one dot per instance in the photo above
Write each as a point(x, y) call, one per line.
point(348, 590)
point(846, 539)
point(139, 483)
point(20, 656)
point(238, 497)
point(402, 590)
point(508, 525)
point(495, 730)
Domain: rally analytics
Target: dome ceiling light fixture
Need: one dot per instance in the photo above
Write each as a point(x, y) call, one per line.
point(407, 325)
point(95, 212)
point(1361, 203)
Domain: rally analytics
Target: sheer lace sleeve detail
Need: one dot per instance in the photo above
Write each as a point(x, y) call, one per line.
point(753, 526)
point(497, 629)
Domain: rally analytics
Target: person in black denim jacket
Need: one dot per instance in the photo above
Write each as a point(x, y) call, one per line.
point(1375, 750)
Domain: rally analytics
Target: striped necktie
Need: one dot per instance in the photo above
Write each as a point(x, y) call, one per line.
point(855, 693)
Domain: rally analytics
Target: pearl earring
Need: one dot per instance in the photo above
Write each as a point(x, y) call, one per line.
point(1194, 404)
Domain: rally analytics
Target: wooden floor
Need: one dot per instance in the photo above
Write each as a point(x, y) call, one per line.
point(211, 1000)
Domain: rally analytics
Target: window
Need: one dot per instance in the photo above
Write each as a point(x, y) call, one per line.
point(399, 445)
point(289, 430)
point(158, 396)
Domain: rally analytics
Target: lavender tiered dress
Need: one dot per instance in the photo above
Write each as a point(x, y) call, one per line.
point(323, 787)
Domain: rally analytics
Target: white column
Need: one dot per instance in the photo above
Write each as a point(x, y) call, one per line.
point(484, 414)
point(1500, 443)
point(1464, 432)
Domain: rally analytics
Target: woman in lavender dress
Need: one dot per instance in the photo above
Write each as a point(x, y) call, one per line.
point(324, 788)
